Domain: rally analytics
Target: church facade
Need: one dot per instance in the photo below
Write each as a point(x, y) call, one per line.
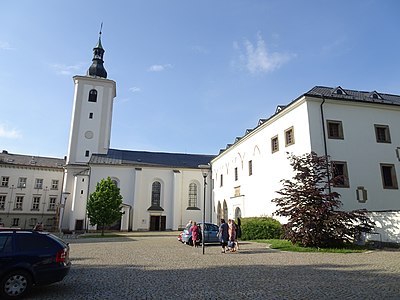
point(161, 191)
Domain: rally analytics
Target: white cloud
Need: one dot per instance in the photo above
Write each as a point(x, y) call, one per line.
point(135, 89)
point(9, 133)
point(5, 46)
point(257, 59)
point(67, 70)
point(159, 68)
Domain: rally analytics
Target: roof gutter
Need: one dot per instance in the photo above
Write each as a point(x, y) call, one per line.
point(325, 144)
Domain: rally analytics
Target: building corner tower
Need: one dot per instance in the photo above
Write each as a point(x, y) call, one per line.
point(90, 133)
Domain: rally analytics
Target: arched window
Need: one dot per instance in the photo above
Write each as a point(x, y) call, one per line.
point(156, 194)
point(92, 96)
point(192, 195)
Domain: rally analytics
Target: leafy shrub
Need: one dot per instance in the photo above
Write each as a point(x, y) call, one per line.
point(260, 228)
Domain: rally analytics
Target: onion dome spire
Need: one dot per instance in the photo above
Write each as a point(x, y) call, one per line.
point(97, 68)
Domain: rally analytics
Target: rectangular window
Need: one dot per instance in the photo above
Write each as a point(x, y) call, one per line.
point(52, 204)
point(237, 191)
point(236, 174)
point(2, 202)
point(91, 115)
point(250, 167)
point(222, 180)
point(274, 144)
point(382, 133)
point(87, 153)
point(35, 203)
point(289, 136)
point(340, 174)
point(38, 183)
point(15, 222)
point(4, 181)
point(22, 182)
point(335, 129)
point(18, 202)
point(389, 179)
point(54, 184)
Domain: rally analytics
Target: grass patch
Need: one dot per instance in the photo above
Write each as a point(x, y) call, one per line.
point(286, 245)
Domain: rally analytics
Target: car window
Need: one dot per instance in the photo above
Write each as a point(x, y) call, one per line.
point(31, 242)
point(214, 227)
point(57, 239)
point(5, 244)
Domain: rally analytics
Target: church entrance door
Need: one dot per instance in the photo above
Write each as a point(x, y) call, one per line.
point(157, 223)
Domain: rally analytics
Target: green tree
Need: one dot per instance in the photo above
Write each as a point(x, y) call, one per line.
point(312, 208)
point(105, 204)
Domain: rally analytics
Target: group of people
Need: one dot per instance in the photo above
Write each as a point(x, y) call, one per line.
point(196, 233)
point(228, 235)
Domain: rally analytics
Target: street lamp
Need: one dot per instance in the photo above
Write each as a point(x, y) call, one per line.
point(204, 170)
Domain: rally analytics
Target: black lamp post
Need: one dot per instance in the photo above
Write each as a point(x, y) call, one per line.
point(204, 170)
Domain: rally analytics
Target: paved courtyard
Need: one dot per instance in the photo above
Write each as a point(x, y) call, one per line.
point(157, 266)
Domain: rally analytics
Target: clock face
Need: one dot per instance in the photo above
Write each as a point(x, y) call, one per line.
point(89, 134)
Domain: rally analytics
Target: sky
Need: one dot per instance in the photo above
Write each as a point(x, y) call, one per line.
point(191, 75)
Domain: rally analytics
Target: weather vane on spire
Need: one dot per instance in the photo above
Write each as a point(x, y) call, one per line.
point(101, 28)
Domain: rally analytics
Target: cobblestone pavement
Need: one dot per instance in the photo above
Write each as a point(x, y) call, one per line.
point(152, 266)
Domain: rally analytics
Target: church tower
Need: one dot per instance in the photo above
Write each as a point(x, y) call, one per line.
point(90, 133)
point(92, 111)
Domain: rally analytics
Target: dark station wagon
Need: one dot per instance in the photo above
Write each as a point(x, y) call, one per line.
point(30, 258)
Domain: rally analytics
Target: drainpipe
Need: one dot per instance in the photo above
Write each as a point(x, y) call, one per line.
point(325, 145)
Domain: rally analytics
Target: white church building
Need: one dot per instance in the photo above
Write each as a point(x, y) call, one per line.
point(161, 191)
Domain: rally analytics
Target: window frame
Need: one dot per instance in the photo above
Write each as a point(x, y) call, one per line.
point(22, 182)
point(340, 134)
point(250, 167)
point(392, 174)
point(92, 97)
point(156, 194)
point(38, 183)
point(36, 203)
point(289, 134)
point(193, 195)
point(3, 202)
point(385, 128)
point(274, 144)
point(19, 202)
point(345, 174)
point(5, 181)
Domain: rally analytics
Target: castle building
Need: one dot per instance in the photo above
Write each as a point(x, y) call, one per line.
point(358, 130)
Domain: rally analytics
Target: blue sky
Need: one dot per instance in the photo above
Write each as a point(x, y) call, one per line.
point(191, 75)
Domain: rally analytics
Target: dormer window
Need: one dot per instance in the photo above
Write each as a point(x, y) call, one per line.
point(375, 95)
point(339, 91)
point(93, 96)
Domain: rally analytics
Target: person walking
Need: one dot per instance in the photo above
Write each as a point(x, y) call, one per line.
point(232, 235)
point(195, 234)
point(223, 235)
point(238, 233)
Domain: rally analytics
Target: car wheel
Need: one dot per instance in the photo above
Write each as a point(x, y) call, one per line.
point(15, 284)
